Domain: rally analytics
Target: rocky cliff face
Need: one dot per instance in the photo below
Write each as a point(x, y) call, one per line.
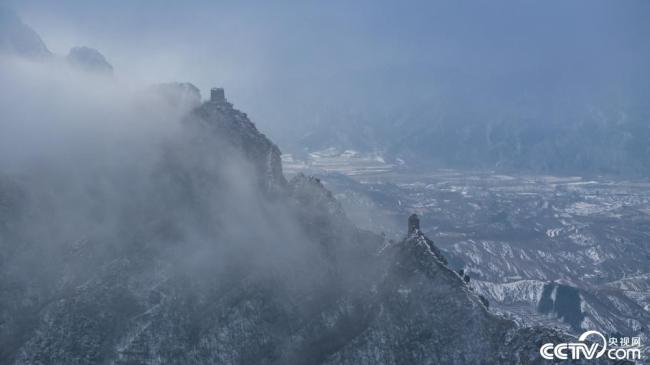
point(231, 127)
point(190, 275)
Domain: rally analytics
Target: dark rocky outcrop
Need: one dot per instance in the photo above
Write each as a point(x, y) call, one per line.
point(231, 126)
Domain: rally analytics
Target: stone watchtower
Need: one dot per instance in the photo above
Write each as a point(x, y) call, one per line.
point(217, 95)
point(414, 223)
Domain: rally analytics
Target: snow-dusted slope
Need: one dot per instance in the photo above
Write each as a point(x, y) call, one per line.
point(517, 234)
point(218, 259)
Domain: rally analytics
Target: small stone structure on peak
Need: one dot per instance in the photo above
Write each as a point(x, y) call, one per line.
point(418, 238)
point(414, 223)
point(217, 95)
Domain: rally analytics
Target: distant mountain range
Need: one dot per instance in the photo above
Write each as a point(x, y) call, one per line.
point(607, 136)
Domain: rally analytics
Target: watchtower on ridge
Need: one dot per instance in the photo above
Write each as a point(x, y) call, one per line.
point(413, 223)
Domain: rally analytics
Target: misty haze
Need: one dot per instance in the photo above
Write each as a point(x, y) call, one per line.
point(433, 182)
